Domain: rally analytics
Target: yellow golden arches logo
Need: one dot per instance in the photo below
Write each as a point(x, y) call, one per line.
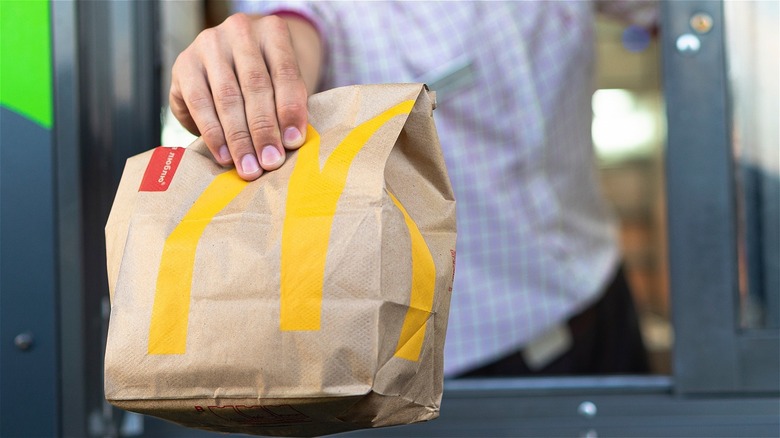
point(171, 309)
point(312, 195)
point(423, 286)
point(311, 204)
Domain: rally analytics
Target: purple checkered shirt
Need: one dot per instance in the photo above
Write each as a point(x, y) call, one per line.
point(536, 241)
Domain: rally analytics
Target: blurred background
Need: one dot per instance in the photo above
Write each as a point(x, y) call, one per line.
point(686, 130)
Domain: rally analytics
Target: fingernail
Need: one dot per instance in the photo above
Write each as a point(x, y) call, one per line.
point(270, 156)
point(224, 154)
point(249, 164)
point(292, 137)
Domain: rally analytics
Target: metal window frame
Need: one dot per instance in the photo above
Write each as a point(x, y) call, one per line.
point(67, 154)
point(711, 354)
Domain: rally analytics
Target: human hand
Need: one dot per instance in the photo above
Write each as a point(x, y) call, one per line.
point(239, 85)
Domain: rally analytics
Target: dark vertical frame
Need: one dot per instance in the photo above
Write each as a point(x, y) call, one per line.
point(711, 354)
point(69, 218)
point(118, 116)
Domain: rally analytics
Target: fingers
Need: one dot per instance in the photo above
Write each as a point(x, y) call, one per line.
point(179, 109)
point(289, 87)
point(273, 88)
point(258, 91)
point(239, 86)
point(191, 97)
point(229, 104)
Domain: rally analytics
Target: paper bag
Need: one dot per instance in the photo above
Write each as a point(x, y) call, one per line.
point(311, 301)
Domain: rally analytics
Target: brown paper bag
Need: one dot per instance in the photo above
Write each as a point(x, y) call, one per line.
point(311, 301)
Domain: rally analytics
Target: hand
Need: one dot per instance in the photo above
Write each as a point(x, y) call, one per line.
point(239, 85)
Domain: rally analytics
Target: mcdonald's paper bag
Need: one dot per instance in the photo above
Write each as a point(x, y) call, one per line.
point(311, 301)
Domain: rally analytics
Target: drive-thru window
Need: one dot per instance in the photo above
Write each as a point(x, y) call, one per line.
point(696, 182)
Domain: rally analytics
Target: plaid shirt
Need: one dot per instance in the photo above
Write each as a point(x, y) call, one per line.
point(536, 241)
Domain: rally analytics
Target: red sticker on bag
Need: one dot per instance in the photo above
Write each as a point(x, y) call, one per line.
point(161, 168)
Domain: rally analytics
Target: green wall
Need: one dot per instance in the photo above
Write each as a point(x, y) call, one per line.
point(25, 53)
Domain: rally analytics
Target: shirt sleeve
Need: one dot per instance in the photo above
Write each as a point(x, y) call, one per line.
point(301, 9)
point(642, 13)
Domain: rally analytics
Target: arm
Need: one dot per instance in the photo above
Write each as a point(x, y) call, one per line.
point(243, 86)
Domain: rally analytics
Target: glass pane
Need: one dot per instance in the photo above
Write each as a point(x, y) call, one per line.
point(753, 51)
point(628, 134)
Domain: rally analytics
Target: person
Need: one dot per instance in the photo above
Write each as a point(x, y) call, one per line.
point(538, 287)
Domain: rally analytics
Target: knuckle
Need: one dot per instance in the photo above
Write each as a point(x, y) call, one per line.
point(207, 37)
point(237, 19)
point(275, 23)
point(238, 137)
point(262, 124)
point(257, 81)
point(239, 23)
point(212, 131)
point(185, 63)
point(199, 100)
point(287, 71)
point(291, 110)
point(229, 95)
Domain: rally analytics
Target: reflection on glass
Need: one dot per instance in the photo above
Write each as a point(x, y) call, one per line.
point(753, 51)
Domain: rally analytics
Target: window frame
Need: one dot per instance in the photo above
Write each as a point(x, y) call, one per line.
point(711, 354)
